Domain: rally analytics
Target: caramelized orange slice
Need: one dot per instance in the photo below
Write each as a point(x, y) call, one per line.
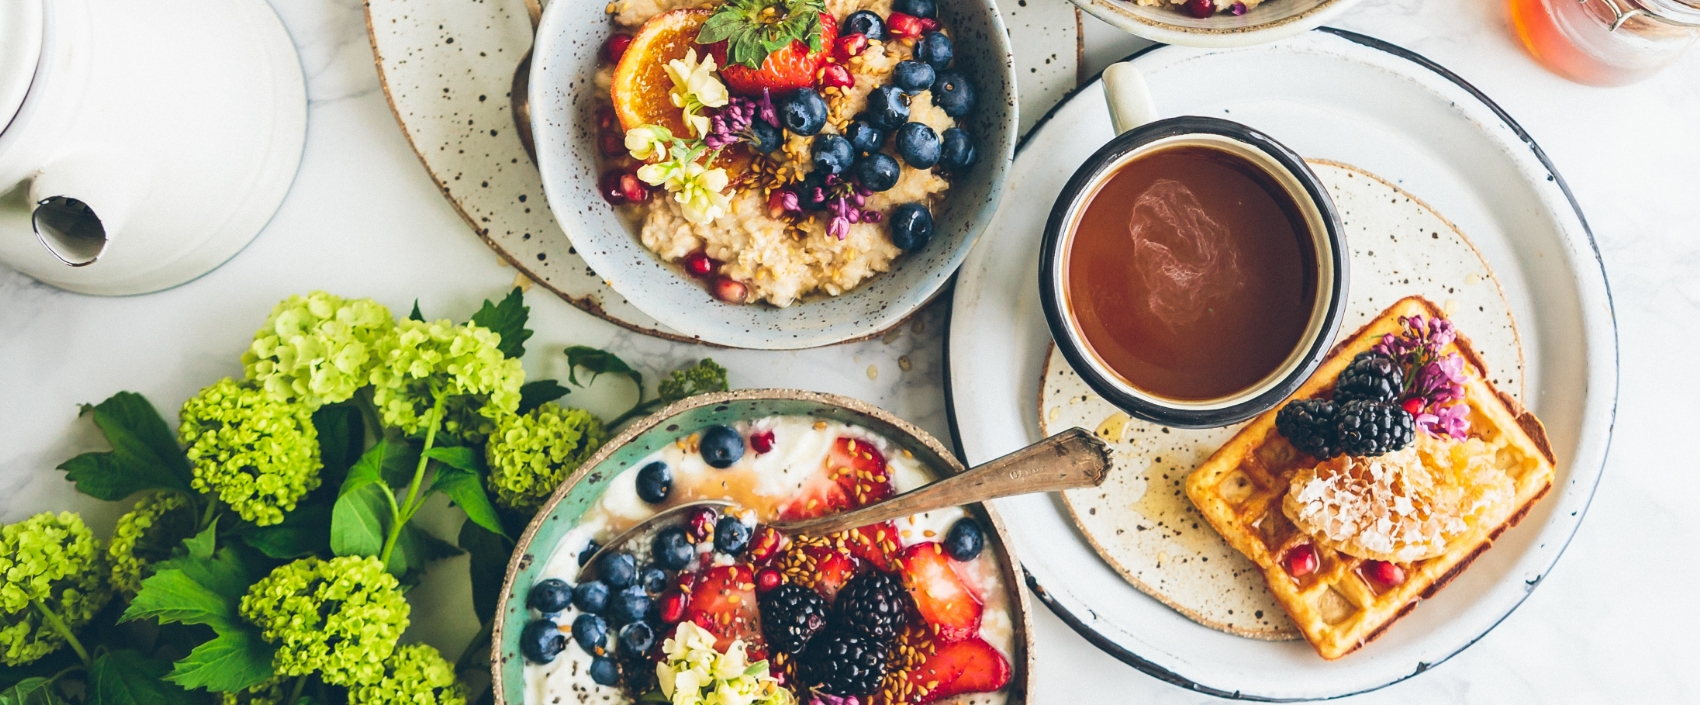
point(641, 86)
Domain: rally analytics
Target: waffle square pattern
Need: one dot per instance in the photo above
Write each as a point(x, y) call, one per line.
point(1371, 537)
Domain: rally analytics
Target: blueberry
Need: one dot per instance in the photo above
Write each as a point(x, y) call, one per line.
point(913, 76)
point(832, 154)
point(956, 151)
point(589, 550)
point(888, 107)
point(635, 639)
point(865, 23)
point(628, 605)
point(617, 569)
point(918, 8)
point(721, 446)
point(653, 580)
point(864, 137)
point(918, 145)
point(670, 549)
point(731, 536)
point(804, 112)
point(604, 671)
point(591, 596)
point(911, 226)
point(964, 540)
point(953, 94)
point(877, 172)
point(590, 631)
point(935, 49)
point(541, 641)
point(550, 596)
point(765, 136)
point(655, 482)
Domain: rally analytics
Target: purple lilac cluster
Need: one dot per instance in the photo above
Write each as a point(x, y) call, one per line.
point(731, 124)
point(845, 200)
point(1434, 390)
point(829, 699)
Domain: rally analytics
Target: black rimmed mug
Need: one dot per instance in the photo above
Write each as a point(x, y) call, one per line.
point(1132, 114)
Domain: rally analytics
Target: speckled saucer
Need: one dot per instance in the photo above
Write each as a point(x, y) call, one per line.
point(581, 491)
point(447, 67)
point(1140, 520)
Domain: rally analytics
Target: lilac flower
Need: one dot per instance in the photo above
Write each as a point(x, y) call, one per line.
point(765, 109)
point(1434, 381)
point(1238, 8)
point(847, 202)
point(731, 124)
point(829, 699)
point(1452, 421)
point(788, 201)
point(1439, 381)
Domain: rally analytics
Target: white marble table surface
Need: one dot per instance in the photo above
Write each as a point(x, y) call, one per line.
point(1615, 622)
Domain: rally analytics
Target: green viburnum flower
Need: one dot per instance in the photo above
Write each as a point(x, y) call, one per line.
point(257, 453)
point(415, 675)
point(532, 454)
point(420, 361)
point(52, 569)
point(340, 617)
point(317, 349)
point(145, 535)
point(272, 692)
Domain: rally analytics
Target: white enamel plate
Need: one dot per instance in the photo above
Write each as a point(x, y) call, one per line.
point(1336, 96)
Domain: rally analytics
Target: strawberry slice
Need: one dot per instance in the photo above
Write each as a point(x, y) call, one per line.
point(819, 497)
point(832, 570)
point(941, 597)
point(968, 666)
point(785, 69)
point(875, 544)
point(723, 601)
point(861, 469)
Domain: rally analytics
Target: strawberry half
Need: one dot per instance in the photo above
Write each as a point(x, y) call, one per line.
point(968, 666)
point(820, 497)
point(832, 570)
point(765, 44)
point(861, 469)
point(941, 597)
point(723, 601)
point(875, 544)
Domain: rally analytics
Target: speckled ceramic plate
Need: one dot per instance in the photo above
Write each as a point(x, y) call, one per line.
point(1141, 522)
point(447, 67)
point(1353, 100)
point(581, 491)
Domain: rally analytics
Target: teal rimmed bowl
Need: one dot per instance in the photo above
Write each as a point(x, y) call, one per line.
point(581, 491)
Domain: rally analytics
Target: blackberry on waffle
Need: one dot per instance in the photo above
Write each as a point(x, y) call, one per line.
point(1309, 425)
point(1371, 376)
point(874, 604)
point(1372, 428)
point(791, 615)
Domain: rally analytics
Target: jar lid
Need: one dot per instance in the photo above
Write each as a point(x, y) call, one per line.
point(21, 28)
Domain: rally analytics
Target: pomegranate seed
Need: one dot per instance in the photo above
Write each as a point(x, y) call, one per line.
point(606, 120)
point(1302, 560)
point(730, 290)
point(701, 523)
point(767, 579)
point(1413, 406)
point(612, 187)
point(850, 45)
point(1388, 574)
point(612, 144)
point(929, 24)
point(672, 607)
point(1200, 8)
point(633, 188)
point(903, 26)
point(697, 264)
point(616, 47)
point(761, 442)
point(834, 75)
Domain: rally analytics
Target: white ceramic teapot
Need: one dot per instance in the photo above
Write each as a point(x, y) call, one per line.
point(142, 144)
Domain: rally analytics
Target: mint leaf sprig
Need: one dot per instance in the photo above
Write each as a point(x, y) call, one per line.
point(752, 29)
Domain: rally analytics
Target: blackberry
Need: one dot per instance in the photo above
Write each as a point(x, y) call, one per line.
point(873, 604)
point(1372, 376)
point(844, 663)
point(1373, 428)
point(791, 615)
point(1309, 425)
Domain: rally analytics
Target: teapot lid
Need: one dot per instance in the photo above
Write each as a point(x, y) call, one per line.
point(22, 26)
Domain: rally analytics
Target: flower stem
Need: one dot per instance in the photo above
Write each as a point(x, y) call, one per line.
point(295, 692)
point(64, 631)
point(399, 519)
point(207, 516)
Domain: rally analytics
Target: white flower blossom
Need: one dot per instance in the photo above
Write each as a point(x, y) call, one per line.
point(647, 142)
point(695, 88)
point(695, 673)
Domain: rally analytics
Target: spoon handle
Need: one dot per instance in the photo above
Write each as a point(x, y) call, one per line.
point(1073, 458)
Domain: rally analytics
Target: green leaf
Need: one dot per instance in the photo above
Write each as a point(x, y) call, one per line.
point(29, 691)
point(173, 596)
point(489, 563)
point(598, 362)
point(458, 457)
point(235, 660)
point(414, 549)
point(201, 545)
point(466, 488)
point(360, 520)
point(391, 461)
point(129, 678)
point(507, 319)
point(416, 315)
point(342, 434)
point(144, 453)
point(701, 378)
point(228, 573)
point(305, 531)
point(538, 393)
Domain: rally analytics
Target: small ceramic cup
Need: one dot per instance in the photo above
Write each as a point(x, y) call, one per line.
point(1133, 114)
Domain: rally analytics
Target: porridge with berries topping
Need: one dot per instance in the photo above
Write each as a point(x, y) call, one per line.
point(905, 612)
point(781, 149)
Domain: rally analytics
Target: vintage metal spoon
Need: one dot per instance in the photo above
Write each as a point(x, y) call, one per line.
point(1068, 460)
point(521, 91)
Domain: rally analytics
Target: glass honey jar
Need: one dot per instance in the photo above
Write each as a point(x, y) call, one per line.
point(1606, 42)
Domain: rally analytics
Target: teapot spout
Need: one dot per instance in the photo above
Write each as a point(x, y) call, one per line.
point(82, 201)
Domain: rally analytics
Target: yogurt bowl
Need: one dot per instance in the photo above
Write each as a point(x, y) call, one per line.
point(798, 454)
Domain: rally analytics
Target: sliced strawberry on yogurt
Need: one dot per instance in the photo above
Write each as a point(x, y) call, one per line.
point(861, 469)
point(723, 601)
point(821, 496)
point(875, 544)
point(941, 596)
point(967, 666)
point(832, 570)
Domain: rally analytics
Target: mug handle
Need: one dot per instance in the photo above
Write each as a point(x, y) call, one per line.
point(1128, 97)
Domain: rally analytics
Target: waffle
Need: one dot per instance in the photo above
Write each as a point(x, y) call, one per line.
point(1240, 491)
